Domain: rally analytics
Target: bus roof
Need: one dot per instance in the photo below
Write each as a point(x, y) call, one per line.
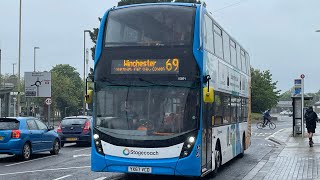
point(164, 3)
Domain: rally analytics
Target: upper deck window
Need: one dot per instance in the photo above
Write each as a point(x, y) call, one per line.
point(154, 25)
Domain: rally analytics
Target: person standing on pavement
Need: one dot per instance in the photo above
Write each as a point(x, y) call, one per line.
point(311, 123)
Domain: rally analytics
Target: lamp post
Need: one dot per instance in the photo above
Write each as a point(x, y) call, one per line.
point(13, 64)
point(0, 86)
point(34, 58)
point(84, 68)
point(18, 99)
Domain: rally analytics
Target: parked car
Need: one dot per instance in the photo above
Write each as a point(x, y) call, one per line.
point(75, 129)
point(24, 136)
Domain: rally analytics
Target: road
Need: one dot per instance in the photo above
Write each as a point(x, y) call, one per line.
point(73, 162)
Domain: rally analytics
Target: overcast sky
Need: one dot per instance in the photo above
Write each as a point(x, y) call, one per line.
point(279, 35)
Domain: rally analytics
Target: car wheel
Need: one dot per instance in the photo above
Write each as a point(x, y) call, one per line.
point(55, 147)
point(26, 152)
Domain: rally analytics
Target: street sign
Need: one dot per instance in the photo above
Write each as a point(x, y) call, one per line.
point(297, 86)
point(297, 82)
point(302, 76)
point(48, 101)
point(37, 84)
point(297, 91)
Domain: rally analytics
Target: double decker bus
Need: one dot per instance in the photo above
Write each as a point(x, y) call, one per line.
point(171, 92)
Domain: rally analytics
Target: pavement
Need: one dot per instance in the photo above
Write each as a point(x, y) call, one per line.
point(292, 158)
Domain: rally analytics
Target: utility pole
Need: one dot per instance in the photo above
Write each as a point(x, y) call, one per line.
point(13, 64)
point(18, 100)
point(0, 73)
point(34, 58)
point(84, 69)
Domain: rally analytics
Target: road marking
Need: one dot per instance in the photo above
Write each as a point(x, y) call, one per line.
point(102, 178)
point(29, 161)
point(82, 155)
point(42, 170)
point(63, 177)
point(270, 138)
point(81, 149)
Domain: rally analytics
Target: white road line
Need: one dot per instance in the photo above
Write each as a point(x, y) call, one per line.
point(63, 177)
point(101, 178)
point(81, 149)
point(29, 161)
point(42, 170)
point(82, 155)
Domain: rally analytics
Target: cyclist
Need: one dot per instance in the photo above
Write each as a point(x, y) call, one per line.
point(266, 117)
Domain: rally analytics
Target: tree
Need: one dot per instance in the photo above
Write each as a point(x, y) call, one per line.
point(67, 89)
point(264, 92)
point(94, 36)
point(286, 96)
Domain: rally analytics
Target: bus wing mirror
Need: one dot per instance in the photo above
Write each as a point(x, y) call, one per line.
point(89, 96)
point(208, 95)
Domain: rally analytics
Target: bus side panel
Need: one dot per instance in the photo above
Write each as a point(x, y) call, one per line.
point(230, 137)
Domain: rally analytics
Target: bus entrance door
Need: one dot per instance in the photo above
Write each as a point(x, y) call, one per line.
point(206, 160)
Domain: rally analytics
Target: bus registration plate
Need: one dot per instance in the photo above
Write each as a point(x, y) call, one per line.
point(140, 169)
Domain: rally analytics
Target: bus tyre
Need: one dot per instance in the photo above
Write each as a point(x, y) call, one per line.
point(218, 159)
point(243, 147)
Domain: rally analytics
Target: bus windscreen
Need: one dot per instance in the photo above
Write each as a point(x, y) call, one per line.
point(163, 25)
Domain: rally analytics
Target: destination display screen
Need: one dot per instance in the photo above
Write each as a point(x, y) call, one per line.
point(145, 66)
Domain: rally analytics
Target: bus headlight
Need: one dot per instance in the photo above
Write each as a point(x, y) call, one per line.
point(97, 143)
point(95, 136)
point(188, 146)
point(191, 139)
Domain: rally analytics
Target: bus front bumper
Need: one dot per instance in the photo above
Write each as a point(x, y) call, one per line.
point(189, 166)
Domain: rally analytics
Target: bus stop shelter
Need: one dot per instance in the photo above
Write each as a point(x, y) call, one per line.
point(5, 101)
point(298, 115)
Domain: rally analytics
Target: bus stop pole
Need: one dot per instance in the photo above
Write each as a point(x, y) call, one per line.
point(302, 106)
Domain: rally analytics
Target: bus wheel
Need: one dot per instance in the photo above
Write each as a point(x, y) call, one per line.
point(218, 159)
point(243, 146)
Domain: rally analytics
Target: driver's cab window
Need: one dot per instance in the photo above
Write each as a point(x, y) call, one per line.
point(41, 125)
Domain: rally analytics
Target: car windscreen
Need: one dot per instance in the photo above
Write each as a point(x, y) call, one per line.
point(9, 124)
point(70, 122)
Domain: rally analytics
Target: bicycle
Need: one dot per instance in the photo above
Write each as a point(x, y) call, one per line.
point(270, 123)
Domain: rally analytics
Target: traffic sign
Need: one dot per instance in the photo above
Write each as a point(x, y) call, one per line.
point(48, 101)
point(302, 76)
point(37, 84)
point(297, 91)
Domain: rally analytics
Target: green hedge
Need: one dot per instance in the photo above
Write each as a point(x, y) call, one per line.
point(256, 116)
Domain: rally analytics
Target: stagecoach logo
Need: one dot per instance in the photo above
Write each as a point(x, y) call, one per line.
point(127, 152)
